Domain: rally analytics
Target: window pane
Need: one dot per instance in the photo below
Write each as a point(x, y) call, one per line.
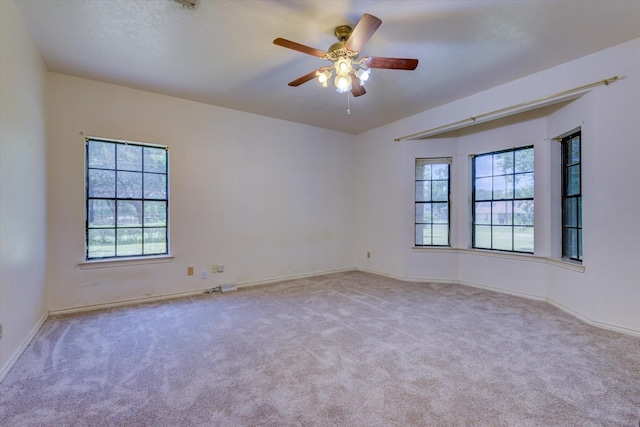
point(482, 236)
point(483, 165)
point(571, 200)
point(432, 201)
point(502, 238)
point(523, 213)
point(440, 213)
point(155, 241)
point(570, 243)
point(129, 185)
point(155, 186)
point(484, 188)
point(101, 213)
point(129, 213)
point(573, 180)
point(102, 183)
point(129, 241)
point(423, 172)
point(155, 214)
point(423, 213)
point(155, 159)
point(503, 200)
point(440, 171)
point(483, 212)
point(503, 187)
point(423, 191)
point(579, 212)
point(524, 160)
point(579, 244)
point(523, 239)
point(118, 205)
point(101, 243)
point(503, 163)
point(524, 186)
point(440, 235)
point(501, 213)
point(570, 212)
point(573, 151)
point(101, 155)
point(423, 234)
point(440, 190)
point(130, 157)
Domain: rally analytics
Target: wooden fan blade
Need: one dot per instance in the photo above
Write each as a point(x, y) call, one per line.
point(304, 79)
point(356, 87)
point(392, 63)
point(299, 47)
point(366, 26)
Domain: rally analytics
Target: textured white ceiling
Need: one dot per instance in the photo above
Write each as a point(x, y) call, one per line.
point(222, 53)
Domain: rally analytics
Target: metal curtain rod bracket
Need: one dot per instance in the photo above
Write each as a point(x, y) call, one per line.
point(504, 112)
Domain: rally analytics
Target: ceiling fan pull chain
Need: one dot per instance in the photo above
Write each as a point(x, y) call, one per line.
point(348, 104)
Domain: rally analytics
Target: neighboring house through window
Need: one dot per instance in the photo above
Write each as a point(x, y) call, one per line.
point(127, 201)
point(432, 178)
point(503, 208)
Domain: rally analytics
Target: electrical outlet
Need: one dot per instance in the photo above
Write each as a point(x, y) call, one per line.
point(189, 271)
point(214, 268)
point(203, 275)
point(220, 268)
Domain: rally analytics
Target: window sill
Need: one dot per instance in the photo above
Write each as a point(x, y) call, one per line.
point(565, 263)
point(556, 262)
point(504, 254)
point(435, 248)
point(124, 262)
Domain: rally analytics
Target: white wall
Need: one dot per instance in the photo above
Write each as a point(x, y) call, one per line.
point(268, 199)
point(23, 232)
point(607, 290)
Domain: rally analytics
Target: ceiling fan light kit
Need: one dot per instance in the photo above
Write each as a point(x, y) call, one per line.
point(351, 72)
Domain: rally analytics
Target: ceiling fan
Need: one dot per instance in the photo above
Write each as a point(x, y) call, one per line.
point(351, 71)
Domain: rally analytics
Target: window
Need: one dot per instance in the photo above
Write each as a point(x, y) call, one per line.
point(503, 200)
point(571, 197)
point(127, 201)
point(432, 202)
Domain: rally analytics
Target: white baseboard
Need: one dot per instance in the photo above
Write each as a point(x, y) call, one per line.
point(174, 295)
point(132, 301)
point(293, 277)
point(603, 325)
point(502, 291)
point(456, 282)
point(380, 273)
point(6, 368)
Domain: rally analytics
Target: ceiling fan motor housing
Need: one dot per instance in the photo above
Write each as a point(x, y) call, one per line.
point(343, 32)
point(337, 50)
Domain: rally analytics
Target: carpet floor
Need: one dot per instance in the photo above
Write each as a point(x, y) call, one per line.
point(347, 349)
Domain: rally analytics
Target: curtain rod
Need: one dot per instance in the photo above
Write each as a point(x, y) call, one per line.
point(557, 97)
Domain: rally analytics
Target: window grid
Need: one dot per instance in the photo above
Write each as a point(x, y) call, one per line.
point(572, 197)
point(502, 200)
point(126, 199)
point(432, 201)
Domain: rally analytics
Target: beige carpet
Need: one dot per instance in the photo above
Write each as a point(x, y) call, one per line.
point(349, 349)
